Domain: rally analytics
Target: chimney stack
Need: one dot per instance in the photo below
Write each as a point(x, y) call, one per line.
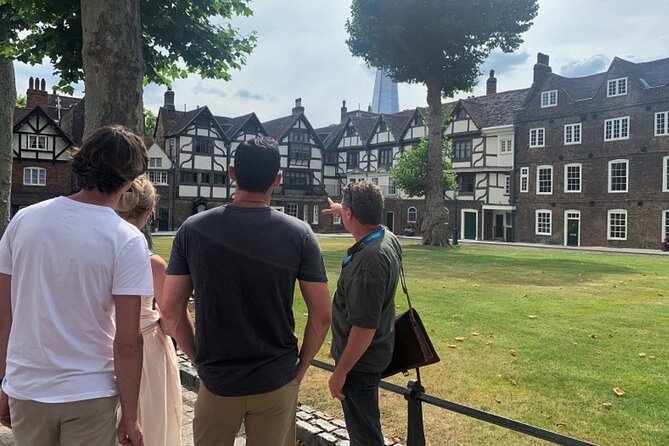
point(37, 94)
point(169, 103)
point(542, 69)
point(344, 110)
point(491, 84)
point(298, 107)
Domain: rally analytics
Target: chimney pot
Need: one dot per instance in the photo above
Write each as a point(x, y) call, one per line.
point(543, 58)
point(491, 84)
point(298, 107)
point(344, 110)
point(43, 85)
point(37, 94)
point(31, 83)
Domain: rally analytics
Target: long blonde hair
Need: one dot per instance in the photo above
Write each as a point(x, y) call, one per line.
point(138, 199)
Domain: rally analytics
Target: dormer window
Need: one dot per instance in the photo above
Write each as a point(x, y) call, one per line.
point(549, 98)
point(616, 87)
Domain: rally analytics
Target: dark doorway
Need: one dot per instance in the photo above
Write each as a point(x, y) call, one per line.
point(499, 227)
point(390, 221)
point(572, 232)
point(470, 225)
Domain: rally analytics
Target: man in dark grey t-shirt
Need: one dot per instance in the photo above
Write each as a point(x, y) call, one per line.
point(363, 311)
point(242, 260)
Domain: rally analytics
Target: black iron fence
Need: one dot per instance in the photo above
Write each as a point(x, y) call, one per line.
point(415, 395)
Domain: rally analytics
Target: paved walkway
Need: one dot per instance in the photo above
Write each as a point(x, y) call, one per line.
point(6, 438)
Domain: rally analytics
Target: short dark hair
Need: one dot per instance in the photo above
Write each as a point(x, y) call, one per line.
point(109, 158)
point(257, 162)
point(365, 200)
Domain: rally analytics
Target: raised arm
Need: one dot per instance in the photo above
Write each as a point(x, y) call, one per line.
point(317, 298)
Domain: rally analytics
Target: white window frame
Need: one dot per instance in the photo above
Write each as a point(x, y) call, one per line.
point(573, 140)
point(572, 214)
point(665, 174)
point(549, 98)
point(410, 210)
point(157, 176)
point(336, 220)
point(627, 176)
point(34, 142)
point(34, 176)
point(619, 85)
point(316, 214)
point(525, 175)
point(538, 134)
point(609, 213)
point(305, 212)
point(539, 169)
point(505, 145)
point(665, 120)
point(289, 209)
point(665, 224)
point(155, 162)
point(613, 122)
point(566, 178)
point(550, 221)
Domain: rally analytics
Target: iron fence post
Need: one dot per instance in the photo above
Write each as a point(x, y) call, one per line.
point(415, 430)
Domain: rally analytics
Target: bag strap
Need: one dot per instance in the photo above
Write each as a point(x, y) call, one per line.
point(404, 285)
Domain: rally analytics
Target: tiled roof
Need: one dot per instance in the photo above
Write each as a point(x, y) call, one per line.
point(398, 122)
point(277, 128)
point(183, 121)
point(580, 88)
point(167, 123)
point(73, 121)
point(329, 134)
point(232, 126)
point(20, 113)
point(364, 126)
point(646, 74)
point(495, 109)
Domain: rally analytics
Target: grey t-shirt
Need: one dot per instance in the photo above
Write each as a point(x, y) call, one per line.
point(243, 263)
point(365, 298)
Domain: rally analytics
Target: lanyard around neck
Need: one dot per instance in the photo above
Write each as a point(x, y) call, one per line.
point(373, 236)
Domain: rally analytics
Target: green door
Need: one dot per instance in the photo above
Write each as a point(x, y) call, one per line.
point(163, 219)
point(572, 232)
point(499, 227)
point(470, 226)
point(390, 221)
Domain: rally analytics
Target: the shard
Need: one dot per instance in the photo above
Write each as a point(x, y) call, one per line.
point(385, 98)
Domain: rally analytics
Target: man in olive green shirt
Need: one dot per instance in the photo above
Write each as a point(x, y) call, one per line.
point(363, 311)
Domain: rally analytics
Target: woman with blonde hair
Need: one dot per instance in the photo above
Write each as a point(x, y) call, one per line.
point(160, 389)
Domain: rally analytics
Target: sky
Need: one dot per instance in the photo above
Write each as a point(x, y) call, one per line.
point(301, 53)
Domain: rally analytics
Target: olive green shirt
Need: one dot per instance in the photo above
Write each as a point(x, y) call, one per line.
point(365, 298)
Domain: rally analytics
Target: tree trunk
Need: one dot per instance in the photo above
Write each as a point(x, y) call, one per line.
point(113, 63)
point(435, 225)
point(7, 102)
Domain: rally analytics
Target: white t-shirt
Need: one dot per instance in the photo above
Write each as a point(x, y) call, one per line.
point(66, 260)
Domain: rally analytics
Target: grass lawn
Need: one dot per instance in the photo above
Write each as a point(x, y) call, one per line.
point(539, 336)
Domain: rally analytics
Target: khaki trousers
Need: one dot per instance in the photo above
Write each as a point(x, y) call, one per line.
point(269, 417)
point(79, 423)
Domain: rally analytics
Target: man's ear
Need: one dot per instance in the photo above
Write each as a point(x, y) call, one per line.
point(277, 180)
point(231, 173)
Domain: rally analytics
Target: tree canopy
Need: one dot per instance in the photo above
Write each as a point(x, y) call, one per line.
point(409, 172)
point(440, 43)
point(178, 38)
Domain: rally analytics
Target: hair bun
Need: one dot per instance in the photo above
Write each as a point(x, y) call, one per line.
point(129, 199)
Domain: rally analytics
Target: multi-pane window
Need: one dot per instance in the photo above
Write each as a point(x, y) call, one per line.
point(392, 190)
point(618, 174)
point(316, 215)
point(299, 154)
point(386, 157)
point(466, 182)
point(665, 174)
point(205, 178)
point(617, 224)
point(545, 180)
point(219, 178)
point(299, 136)
point(616, 87)
point(524, 179)
point(462, 150)
point(155, 162)
point(505, 145)
point(204, 146)
point(37, 142)
point(352, 159)
point(34, 176)
point(296, 179)
point(572, 178)
point(662, 123)
point(291, 209)
point(158, 177)
point(549, 98)
point(507, 184)
point(188, 177)
point(572, 134)
point(537, 137)
point(665, 224)
point(616, 129)
point(542, 225)
point(412, 215)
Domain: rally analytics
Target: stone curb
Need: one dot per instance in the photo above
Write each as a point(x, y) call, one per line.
point(314, 428)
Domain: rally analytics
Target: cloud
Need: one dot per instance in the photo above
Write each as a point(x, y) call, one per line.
point(211, 88)
point(504, 63)
point(585, 67)
point(246, 94)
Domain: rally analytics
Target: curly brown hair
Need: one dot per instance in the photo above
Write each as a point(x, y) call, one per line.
point(109, 158)
point(365, 200)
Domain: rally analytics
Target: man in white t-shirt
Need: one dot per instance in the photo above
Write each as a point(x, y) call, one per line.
point(71, 276)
